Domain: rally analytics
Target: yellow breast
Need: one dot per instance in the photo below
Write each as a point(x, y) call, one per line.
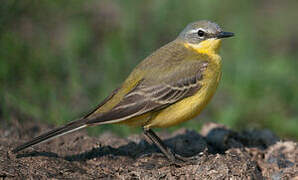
point(190, 107)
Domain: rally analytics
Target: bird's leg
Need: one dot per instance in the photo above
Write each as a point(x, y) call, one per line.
point(158, 142)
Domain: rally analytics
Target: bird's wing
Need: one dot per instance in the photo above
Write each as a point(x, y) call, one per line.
point(156, 91)
point(152, 86)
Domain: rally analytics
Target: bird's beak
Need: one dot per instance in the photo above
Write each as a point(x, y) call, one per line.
point(224, 35)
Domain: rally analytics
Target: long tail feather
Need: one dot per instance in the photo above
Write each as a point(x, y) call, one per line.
point(68, 128)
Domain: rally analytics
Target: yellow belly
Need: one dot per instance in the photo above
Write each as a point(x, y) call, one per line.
point(190, 107)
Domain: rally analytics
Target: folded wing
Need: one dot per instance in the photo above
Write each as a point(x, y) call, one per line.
point(148, 96)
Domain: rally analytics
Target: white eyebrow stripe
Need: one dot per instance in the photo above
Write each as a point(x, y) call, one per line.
point(194, 31)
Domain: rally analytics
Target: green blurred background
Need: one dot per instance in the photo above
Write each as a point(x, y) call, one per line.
point(58, 58)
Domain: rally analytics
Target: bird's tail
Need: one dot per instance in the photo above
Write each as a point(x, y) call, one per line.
point(68, 128)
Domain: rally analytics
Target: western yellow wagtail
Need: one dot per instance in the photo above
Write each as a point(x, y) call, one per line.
point(170, 86)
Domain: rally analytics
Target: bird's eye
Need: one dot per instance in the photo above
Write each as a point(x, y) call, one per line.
point(201, 33)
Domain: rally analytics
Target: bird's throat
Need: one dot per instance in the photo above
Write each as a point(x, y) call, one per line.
point(209, 46)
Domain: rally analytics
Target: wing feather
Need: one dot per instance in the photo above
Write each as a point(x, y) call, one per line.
point(147, 97)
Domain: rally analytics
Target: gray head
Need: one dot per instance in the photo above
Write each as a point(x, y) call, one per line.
point(199, 31)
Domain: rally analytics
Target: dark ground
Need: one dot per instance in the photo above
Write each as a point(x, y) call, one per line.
point(216, 153)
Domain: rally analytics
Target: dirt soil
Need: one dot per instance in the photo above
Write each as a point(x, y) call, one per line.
point(214, 153)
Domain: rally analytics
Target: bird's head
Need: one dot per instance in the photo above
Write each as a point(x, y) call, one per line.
point(203, 34)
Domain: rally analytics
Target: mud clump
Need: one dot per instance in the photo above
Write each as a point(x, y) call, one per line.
point(215, 153)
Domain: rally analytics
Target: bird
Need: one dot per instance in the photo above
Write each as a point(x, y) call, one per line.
point(170, 86)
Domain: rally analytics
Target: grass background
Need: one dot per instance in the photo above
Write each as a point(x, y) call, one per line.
point(58, 58)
